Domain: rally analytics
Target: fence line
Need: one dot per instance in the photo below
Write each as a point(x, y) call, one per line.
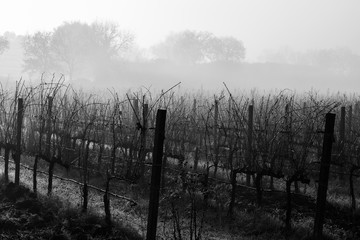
point(79, 183)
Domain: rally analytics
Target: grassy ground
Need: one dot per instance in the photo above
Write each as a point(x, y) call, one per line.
point(66, 198)
point(23, 215)
point(249, 222)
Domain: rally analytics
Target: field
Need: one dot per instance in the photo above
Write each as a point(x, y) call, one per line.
point(234, 165)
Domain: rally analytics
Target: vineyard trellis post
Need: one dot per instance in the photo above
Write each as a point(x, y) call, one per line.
point(156, 174)
point(132, 148)
point(250, 126)
point(288, 144)
point(142, 152)
point(324, 175)
point(48, 127)
point(20, 115)
point(304, 114)
point(48, 144)
point(350, 113)
point(197, 139)
point(216, 137)
point(86, 176)
point(114, 134)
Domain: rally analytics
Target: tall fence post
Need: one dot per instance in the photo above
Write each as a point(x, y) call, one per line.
point(342, 143)
point(349, 123)
point(156, 174)
point(216, 137)
point(324, 175)
point(144, 127)
point(20, 115)
point(195, 136)
point(48, 127)
point(249, 140)
point(48, 144)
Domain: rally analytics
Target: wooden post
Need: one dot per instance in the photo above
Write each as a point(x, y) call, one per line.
point(20, 115)
point(107, 199)
point(304, 111)
point(233, 192)
point(350, 114)
point(48, 144)
point(249, 140)
point(194, 115)
point(132, 149)
point(216, 137)
point(290, 140)
point(324, 175)
point(143, 134)
point(85, 178)
point(288, 205)
point(114, 139)
point(156, 174)
point(195, 136)
point(48, 128)
point(288, 128)
point(36, 160)
point(182, 138)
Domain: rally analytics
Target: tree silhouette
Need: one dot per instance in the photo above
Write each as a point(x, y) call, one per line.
point(4, 44)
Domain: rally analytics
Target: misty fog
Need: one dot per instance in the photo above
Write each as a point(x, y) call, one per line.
point(102, 53)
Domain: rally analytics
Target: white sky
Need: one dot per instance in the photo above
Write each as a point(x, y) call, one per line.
point(260, 24)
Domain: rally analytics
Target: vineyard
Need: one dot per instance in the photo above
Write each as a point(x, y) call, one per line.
point(216, 149)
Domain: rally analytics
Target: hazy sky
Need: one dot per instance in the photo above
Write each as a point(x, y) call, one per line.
point(260, 24)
